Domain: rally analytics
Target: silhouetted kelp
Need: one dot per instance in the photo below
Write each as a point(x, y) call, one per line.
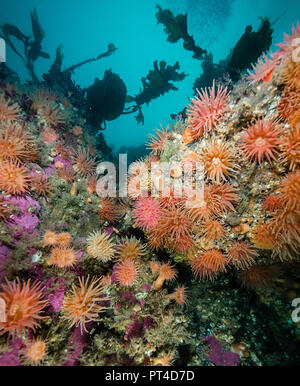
point(156, 83)
point(32, 47)
point(106, 98)
point(247, 50)
point(176, 29)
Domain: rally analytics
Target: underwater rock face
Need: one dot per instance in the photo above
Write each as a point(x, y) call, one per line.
point(106, 98)
point(153, 277)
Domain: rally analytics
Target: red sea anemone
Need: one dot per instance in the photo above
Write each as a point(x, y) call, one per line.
point(24, 303)
point(272, 202)
point(261, 141)
point(146, 212)
point(206, 109)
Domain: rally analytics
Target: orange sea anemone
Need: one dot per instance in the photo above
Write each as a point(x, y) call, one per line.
point(209, 263)
point(225, 196)
point(127, 272)
point(35, 352)
point(285, 226)
point(40, 184)
point(219, 161)
point(174, 225)
point(166, 360)
point(108, 210)
point(203, 204)
point(261, 141)
point(263, 237)
point(63, 239)
point(289, 106)
point(67, 173)
point(100, 246)
point(189, 136)
point(155, 267)
point(14, 177)
point(62, 257)
point(52, 114)
point(166, 272)
point(130, 248)
point(8, 112)
point(82, 304)
point(84, 164)
point(291, 73)
point(290, 190)
point(213, 230)
point(49, 135)
point(92, 184)
point(24, 304)
point(290, 147)
point(158, 140)
point(50, 238)
point(16, 144)
point(77, 131)
point(206, 109)
point(242, 254)
point(179, 295)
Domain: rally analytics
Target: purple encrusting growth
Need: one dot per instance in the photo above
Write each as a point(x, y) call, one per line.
point(77, 342)
point(218, 356)
point(55, 297)
point(137, 328)
point(66, 162)
point(12, 357)
point(25, 203)
point(4, 253)
point(26, 222)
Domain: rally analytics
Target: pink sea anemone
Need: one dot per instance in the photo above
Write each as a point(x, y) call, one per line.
point(146, 212)
point(206, 109)
point(261, 141)
point(263, 70)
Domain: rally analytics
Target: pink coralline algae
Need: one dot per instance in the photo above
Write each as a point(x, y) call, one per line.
point(218, 356)
point(25, 203)
point(26, 222)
